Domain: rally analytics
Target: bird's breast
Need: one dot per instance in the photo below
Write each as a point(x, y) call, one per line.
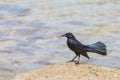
point(71, 45)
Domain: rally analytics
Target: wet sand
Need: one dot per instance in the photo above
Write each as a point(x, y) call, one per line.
point(72, 71)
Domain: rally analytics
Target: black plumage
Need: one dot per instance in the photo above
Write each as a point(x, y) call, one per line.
point(80, 49)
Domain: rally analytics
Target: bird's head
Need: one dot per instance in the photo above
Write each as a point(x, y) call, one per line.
point(68, 35)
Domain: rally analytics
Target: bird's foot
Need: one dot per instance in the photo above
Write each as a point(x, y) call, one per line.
point(77, 62)
point(71, 61)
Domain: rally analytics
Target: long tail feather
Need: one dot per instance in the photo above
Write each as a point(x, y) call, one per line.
point(98, 47)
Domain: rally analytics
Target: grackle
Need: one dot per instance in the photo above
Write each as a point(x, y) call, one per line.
point(81, 49)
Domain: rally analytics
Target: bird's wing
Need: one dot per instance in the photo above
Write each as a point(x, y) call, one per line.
point(76, 45)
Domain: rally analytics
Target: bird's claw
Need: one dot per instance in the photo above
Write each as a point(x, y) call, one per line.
point(71, 61)
point(77, 62)
point(68, 61)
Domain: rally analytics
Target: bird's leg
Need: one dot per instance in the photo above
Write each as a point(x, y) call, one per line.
point(72, 59)
point(78, 59)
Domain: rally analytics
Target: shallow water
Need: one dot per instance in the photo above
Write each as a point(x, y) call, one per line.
point(30, 32)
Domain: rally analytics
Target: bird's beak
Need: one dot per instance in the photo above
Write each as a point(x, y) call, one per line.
point(63, 35)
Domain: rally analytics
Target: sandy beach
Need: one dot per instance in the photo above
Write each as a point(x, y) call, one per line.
point(71, 71)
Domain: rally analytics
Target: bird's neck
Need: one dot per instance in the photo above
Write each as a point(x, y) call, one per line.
point(71, 38)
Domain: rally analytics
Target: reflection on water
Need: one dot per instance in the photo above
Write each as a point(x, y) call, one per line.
point(30, 32)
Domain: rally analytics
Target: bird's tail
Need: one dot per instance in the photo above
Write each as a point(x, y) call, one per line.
point(98, 47)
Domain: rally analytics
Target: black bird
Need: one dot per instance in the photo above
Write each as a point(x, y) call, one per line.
point(80, 49)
